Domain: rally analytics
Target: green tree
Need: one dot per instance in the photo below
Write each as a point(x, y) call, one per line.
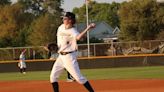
point(45, 26)
point(4, 2)
point(13, 20)
point(22, 37)
point(43, 30)
point(139, 20)
point(35, 7)
point(160, 36)
point(99, 12)
point(160, 15)
point(8, 23)
point(39, 7)
point(17, 23)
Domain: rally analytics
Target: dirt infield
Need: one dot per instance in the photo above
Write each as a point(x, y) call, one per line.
point(151, 85)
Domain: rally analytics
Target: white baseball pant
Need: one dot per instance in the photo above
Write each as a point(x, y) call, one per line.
point(69, 62)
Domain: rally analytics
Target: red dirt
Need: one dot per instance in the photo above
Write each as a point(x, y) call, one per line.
point(151, 85)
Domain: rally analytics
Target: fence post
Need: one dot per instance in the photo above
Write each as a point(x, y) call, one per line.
point(29, 52)
point(150, 45)
point(94, 47)
point(112, 47)
point(33, 54)
point(13, 53)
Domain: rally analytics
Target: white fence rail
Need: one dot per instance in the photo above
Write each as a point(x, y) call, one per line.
point(96, 49)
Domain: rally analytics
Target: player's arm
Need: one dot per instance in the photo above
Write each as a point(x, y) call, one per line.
point(45, 47)
point(78, 37)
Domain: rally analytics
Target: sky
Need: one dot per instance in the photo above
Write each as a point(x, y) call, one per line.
point(68, 5)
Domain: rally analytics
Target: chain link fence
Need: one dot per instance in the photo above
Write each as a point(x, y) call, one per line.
point(96, 49)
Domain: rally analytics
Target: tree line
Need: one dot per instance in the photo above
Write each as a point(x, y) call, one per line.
point(29, 22)
point(34, 22)
point(138, 20)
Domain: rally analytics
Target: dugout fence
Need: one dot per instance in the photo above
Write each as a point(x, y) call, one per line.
point(96, 49)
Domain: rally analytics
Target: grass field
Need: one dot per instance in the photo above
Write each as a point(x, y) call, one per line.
point(153, 72)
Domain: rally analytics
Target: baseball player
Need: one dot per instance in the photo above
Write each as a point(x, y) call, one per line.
point(67, 37)
point(21, 63)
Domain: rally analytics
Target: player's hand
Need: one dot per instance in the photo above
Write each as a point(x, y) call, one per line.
point(92, 25)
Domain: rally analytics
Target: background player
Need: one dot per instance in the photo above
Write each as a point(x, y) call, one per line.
point(67, 37)
point(52, 50)
point(21, 63)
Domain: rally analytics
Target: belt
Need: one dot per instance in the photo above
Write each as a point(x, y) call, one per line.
point(65, 53)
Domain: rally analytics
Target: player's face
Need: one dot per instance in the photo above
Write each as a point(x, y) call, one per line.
point(66, 20)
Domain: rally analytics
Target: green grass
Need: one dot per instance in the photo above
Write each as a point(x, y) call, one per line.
point(155, 72)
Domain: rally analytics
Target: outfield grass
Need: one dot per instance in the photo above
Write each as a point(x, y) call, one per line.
point(154, 72)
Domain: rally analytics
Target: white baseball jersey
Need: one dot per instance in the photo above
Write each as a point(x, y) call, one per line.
point(66, 40)
point(22, 63)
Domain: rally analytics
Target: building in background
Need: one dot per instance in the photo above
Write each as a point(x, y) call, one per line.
point(102, 31)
